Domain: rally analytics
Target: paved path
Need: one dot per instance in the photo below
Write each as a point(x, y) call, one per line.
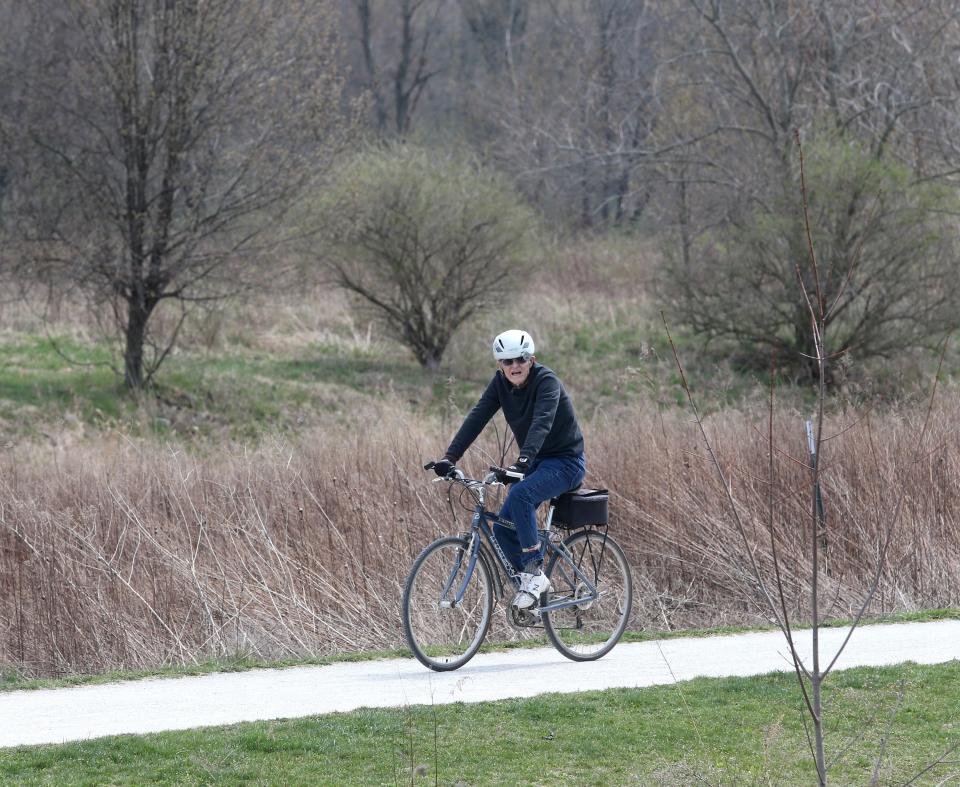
point(57, 715)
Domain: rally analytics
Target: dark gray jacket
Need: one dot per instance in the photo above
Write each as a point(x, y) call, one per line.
point(539, 413)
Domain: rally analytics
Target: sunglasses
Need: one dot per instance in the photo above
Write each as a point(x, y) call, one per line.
point(512, 361)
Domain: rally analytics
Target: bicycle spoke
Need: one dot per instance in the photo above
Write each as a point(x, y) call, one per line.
point(589, 629)
point(444, 635)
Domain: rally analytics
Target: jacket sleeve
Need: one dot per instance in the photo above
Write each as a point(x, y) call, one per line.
point(544, 410)
point(476, 419)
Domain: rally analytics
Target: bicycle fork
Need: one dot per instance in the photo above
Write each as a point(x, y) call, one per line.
point(445, 601)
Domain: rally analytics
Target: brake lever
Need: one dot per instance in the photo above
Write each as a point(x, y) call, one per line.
point(456, 474)
point(503, 474)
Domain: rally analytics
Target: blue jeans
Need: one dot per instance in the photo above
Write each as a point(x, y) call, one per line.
point(550, 477)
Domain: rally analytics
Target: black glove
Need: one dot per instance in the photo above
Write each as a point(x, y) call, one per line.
point(443, 467)
point(522, 465)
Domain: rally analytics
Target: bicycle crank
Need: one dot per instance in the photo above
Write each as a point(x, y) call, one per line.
point(521, 618)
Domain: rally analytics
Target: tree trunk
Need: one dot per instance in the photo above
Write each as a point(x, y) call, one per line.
point(136, 332)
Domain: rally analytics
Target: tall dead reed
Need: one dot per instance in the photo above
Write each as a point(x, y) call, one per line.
point(120, 554)
point(693, 562)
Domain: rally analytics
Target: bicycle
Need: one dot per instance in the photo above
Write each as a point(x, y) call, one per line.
point(454, 583)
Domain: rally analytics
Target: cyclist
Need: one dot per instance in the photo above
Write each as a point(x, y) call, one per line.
point(540, 415)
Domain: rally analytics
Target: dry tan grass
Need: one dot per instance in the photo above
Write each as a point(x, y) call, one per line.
point(692, 552)
point(122, 554)
point(269, 320)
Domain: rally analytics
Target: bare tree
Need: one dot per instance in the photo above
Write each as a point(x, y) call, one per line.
point(425, 241)
point(764, 569)
point(562, 93)
point(398, 43)
point(494, 26)
point(874, 92)
point(577, 107)
point(15, 33)
point(175, 136)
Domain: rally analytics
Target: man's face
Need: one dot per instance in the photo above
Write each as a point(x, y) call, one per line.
point(516, 370)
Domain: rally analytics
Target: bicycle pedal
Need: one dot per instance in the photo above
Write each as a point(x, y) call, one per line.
point(523, 618)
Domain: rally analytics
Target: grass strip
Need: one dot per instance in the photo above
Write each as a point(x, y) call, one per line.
point(733, 730)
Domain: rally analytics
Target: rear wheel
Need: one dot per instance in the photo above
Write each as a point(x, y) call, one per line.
point(444, 635)
point(589, 629)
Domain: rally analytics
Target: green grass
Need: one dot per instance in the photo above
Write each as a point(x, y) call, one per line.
point(729, 731)
point(610, 354)
point(240, 392)
point(41, 380)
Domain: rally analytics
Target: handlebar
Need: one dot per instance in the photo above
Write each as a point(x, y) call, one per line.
point(497, 475)
point(511, 476)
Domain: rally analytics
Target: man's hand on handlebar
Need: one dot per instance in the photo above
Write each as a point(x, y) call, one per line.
point(508, 475)
point(522, 466)
point(446, 468)
point(442, 467)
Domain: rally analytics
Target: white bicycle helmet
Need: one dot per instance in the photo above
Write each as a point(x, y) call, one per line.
point(513, 344)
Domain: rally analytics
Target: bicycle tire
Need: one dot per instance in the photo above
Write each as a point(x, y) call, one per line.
point(446, 638)
point(588, 632)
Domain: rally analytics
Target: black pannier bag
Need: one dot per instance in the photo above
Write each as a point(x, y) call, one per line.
point(581, 508)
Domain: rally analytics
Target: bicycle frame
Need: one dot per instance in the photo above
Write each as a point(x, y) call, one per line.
point(481, 529)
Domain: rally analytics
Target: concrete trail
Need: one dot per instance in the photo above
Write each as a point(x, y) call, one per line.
point(59, 715)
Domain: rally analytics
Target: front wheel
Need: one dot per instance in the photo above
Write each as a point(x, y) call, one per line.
point(442, 633)
point(589, 629)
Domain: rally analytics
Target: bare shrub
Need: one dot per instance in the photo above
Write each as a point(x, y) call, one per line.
point(123, 554)
point(424, 242)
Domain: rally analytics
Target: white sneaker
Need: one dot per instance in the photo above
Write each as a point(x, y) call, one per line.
point(531, 586)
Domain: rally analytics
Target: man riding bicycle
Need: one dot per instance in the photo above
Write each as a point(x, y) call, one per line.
point(540, 415)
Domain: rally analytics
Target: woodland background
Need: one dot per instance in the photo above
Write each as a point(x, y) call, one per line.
point(252, 255)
